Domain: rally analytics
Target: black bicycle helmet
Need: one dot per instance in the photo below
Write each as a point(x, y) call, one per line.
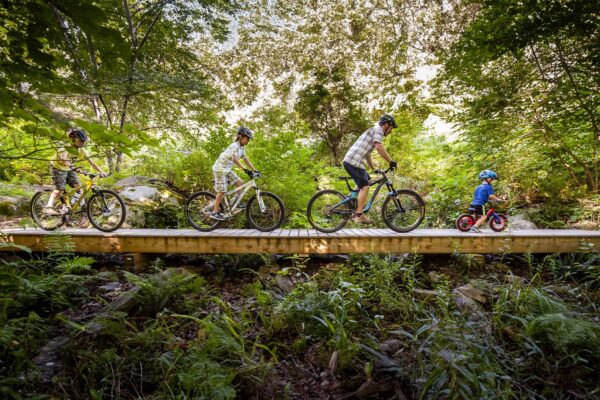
point(387, 118)
point(245, 132)
point(78, 134)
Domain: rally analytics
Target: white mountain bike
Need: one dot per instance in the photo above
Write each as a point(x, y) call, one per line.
point(264, 210)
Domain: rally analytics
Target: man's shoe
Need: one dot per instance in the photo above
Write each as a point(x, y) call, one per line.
point(363, 219)
point(217, 216)
point(50, 211)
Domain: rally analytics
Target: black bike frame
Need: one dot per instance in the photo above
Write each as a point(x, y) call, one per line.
point(383, 181)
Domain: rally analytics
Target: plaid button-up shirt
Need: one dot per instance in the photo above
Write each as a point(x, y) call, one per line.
point(363, 146)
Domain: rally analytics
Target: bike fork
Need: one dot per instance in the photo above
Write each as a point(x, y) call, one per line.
point(261, 203)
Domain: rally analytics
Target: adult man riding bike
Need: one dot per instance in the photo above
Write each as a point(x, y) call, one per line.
point(360, 151)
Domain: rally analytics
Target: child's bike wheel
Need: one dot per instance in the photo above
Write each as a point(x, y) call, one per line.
point(268, 218)
point(197, 211)
point(106, 210)
point(43, 220)
point(403, 211)
point(499, 223)
point(464, 222)
point(326, 212)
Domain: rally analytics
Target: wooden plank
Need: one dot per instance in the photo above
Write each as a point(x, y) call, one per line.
point(307, 241)
point(277, 233)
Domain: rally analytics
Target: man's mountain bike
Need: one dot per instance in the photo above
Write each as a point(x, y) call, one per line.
point(104, 208)
point(403, 210)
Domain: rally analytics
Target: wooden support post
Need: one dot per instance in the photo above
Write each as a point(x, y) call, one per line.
point(137, 262)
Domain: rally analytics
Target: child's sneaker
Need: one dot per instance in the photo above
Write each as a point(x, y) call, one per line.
point(217, 216)
point(474, 229)
point(362, 219)
point(242, 205)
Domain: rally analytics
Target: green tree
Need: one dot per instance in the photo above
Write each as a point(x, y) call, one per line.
point(332, 110)
point(528, 74)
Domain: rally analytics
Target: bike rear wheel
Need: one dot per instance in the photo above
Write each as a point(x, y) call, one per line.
point(198, 208)
point(403, 211)
point(329, 210)
point(106, 210)
point(500, 224)
point(44, 220)
point(464, 222)
point(268, 217)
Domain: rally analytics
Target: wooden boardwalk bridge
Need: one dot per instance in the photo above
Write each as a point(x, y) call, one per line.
point(306, 241)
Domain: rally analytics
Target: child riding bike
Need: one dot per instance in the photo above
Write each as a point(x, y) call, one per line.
point(62, 172)
point(223, 174)
point(483, 193)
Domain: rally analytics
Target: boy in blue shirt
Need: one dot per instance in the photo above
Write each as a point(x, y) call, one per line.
point(483, 193)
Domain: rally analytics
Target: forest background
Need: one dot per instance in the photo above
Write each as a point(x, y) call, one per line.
point(161, 87)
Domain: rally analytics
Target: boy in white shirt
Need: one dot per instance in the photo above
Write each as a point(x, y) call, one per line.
point(222, 172)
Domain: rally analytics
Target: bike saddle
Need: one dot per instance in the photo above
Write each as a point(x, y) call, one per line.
point(344, 178)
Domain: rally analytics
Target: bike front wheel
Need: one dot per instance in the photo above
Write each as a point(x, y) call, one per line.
point(403, 211)
point(267, 216)
point(329, 210)
point(498, 224)
point(44, 220)
point(198, 208)
point(106, 210)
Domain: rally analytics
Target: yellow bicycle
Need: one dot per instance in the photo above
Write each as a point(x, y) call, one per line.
point(105, 209)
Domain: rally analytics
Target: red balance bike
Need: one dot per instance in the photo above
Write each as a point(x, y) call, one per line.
point(497, 222)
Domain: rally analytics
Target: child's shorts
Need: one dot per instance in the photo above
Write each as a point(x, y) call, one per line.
point(222, 179)
point(477, 210)
point(61, 178)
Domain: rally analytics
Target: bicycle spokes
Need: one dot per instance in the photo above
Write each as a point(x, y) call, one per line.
point(266, 213)
point(403, 211)
point(329, 210)
point(198, 208)
point(106, 210)
point(47, 218)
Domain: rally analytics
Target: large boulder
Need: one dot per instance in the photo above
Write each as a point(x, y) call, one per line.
point(520, 221)
point(140, 194)
point(14, 206)
point(148, 195)
point(585, 225)
point(134, 180)
point(143, 200)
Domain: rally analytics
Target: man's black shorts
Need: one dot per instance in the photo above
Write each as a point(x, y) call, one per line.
point(359, 175)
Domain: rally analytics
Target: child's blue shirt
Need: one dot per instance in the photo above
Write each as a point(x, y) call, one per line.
point(482, 194)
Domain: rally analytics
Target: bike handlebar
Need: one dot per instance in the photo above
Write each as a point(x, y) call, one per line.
point(378, 171)
point(85, 173)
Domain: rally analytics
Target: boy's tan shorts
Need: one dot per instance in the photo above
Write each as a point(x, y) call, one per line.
point(223, 179)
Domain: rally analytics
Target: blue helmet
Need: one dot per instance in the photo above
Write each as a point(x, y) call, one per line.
point(487, 173)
